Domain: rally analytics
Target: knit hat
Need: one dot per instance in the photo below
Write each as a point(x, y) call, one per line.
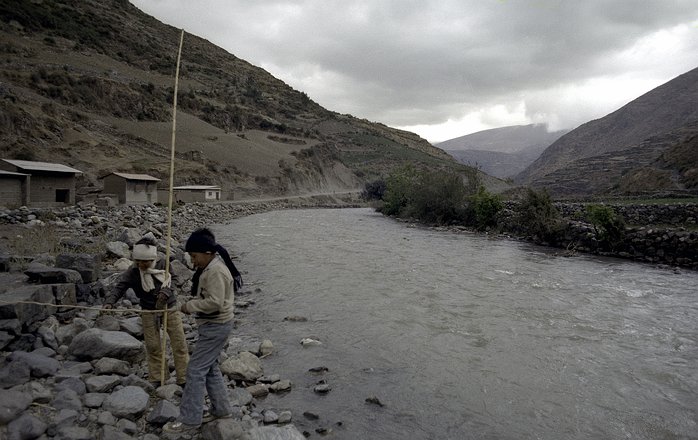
point(201, 240)
point(144, 252)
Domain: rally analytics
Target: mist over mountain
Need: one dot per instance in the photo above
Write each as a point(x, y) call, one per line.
point(502, 152)
point(626, 151)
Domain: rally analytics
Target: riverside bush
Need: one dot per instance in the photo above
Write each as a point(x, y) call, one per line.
point(429, 196)
point(537, 217)
point(608, 226)
point(484, 207)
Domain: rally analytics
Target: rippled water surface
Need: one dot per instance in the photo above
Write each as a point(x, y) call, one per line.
point(463, 336)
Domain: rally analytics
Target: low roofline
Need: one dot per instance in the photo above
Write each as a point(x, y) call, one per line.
point(129, 176)
point(42, 166)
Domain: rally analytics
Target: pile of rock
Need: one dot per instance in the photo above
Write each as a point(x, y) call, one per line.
point(71, 371)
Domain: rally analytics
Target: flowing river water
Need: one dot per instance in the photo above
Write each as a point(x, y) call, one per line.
point(462, 336)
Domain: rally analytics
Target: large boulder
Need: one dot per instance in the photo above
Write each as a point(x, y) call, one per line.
point(246, 366)
point(19, 304)
point(43, 274)
point(95, 343)
point(39, 364)
point(12, 404)
point(88, 265)
point(128, 402)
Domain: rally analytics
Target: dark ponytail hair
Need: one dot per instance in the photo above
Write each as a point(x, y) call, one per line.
point(203, 240)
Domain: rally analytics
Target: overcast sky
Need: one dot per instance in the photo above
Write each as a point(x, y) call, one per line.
point(446, 68)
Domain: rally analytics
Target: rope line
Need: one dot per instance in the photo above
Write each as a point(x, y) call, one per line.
point(70, 306)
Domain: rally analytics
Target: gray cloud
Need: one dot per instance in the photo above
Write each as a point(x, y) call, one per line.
point(409, 62)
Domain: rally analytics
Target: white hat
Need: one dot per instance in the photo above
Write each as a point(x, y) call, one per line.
point(144, 252)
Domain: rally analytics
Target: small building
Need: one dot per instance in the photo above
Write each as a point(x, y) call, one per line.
point(47, 184)
point(14, 189)
point(193, 193)
point(131, 189)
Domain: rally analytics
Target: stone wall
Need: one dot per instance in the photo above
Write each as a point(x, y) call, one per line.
point(663, 234)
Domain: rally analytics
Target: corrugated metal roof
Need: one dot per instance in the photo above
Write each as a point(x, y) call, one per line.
point(29, 165)
point(128, 176)
point(197, 187)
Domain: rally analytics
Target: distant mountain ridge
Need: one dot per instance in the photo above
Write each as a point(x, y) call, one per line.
point(502, 152)
point(601, 156)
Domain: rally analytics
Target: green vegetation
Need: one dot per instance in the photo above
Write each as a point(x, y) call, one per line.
point(485, 207)
point(440, 197)
point(537, 217)
point(608, 226)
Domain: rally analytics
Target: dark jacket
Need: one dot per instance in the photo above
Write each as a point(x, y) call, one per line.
point(131, 279)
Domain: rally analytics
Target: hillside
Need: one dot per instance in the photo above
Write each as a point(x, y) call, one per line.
point(502, 152)
point(90, 84)
point(648, 141)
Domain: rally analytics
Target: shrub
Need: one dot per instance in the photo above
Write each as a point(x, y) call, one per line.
point(374, 190)
point(537, 217)
point(398, 190)
point(608, 226)
point(484, 207)
point(429, 196)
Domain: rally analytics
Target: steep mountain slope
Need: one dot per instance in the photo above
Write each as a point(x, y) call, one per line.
point(502, 152)
point(596, 156)
point(90, 84)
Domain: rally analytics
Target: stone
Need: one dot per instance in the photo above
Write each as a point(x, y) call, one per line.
point(102, 384)
point(270, 417)
point(129, 236)
point(163, 412)
point(106, 418)
point(5, 339)
point(280, 386)
point(13, 326)
point(322, 388)
point(66, 333)
point(122, 264)
point(12, 404)
point(169, 391)
point(39, 365)
point(223, 429)
point(95, 343)
point(133, 326)
point(112, 433)
point(67, 399)
point(88, 265)
point(25, 427)
point(14, 373)
point(73, 433)
point(118, 249)
point(38, 392)
point(180, 273)
point(127, 426)
point(128, 402)
point(28, 314)
point(287, 432)
point(74, 383)
point(258, 390)
point(246, 366)
point(285, 417)
point(266, 348)
point(107, 322)
point(48, 336)
point(240, 397)
point(94, 400)
point(42, 274)
point(308, 342)
point(112, 366)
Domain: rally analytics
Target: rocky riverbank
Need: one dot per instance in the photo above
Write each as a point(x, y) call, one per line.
point(76, 372)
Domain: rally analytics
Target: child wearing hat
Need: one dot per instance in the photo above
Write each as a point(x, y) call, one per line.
point(214, 284)
point(152, 286)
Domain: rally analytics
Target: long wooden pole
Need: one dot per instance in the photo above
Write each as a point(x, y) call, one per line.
point(163, 346)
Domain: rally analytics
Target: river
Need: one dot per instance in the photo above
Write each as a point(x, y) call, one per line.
point(464, 336)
